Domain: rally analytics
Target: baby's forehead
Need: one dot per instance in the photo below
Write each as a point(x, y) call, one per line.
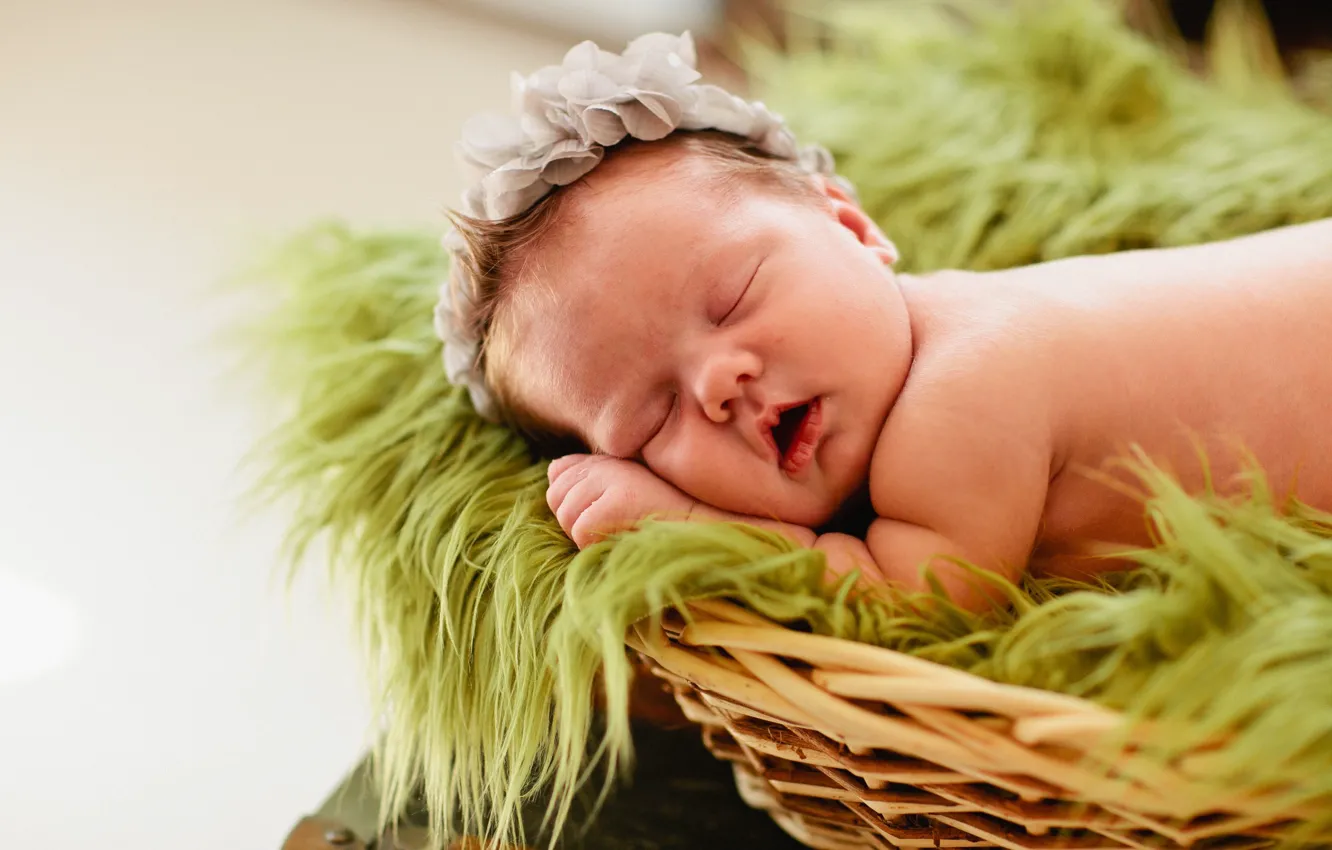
point(620, 235)
point(666, 174)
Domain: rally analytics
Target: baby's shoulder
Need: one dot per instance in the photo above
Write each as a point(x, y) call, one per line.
point(971, 423)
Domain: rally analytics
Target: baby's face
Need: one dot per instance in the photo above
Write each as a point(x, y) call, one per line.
point(746, 345)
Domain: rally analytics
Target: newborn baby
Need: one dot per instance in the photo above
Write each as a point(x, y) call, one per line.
point(723, 331)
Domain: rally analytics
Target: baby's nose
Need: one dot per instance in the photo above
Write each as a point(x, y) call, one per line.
point(718, 411)
point(719, 388)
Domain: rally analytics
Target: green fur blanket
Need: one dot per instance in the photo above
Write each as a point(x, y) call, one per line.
point(978, 140)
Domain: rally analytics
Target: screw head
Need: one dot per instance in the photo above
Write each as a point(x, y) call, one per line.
point(339, 836)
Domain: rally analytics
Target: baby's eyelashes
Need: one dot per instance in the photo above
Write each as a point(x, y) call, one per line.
point(731, 307)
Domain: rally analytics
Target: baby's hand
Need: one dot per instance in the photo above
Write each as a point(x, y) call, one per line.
point(595, 495)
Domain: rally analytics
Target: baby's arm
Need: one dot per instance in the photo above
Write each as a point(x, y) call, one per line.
point(843, 552)
point(962, 468)
point(892, 554)
point(595, 495)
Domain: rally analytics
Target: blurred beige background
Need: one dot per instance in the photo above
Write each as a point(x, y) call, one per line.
point(156, 690)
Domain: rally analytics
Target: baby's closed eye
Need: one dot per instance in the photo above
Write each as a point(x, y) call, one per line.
point(730, 296)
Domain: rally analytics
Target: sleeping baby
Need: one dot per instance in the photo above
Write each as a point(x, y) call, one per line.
point(652, 270)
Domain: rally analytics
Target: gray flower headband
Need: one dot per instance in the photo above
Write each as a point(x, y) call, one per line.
point(567, 115)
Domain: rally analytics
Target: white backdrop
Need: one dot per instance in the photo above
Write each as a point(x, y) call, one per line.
point(155, 689)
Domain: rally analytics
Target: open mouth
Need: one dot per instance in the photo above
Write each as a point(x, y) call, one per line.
point(796, 433)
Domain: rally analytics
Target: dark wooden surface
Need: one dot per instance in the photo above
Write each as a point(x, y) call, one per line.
point(681, 798)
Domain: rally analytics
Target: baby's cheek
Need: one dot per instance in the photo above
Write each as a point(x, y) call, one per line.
point(688, 465)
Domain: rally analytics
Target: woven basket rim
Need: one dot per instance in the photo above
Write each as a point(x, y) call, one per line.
point(824, 719)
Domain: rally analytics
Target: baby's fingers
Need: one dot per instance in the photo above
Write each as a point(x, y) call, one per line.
point(563, 474)
point(594, 523)
point(573, 507)
point(560, 465)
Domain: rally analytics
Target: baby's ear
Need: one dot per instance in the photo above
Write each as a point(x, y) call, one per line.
point(853, 218)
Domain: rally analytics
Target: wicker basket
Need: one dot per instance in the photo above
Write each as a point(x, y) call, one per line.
point(853, 746)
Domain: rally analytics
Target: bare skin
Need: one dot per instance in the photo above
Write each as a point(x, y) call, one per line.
point(1026, 382)
point(973, 408)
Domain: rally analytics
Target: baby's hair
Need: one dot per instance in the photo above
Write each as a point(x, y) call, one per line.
point(500, 255)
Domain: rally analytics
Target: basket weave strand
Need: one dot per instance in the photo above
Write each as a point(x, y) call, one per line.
point(849, 745)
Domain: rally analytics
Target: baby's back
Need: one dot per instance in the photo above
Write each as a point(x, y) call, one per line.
point(1218, 345)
